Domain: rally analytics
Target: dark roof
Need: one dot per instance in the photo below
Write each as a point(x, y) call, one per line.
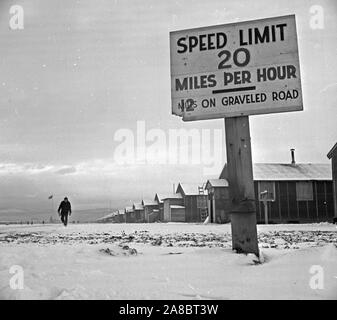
point(278, 171)
point(108, 216)
point(216, 183)
point(287, 172)
point(138, 206)
point(149, 203)
point(190, 189)
point(172, 196)
point(332, 151)
point(160, 197)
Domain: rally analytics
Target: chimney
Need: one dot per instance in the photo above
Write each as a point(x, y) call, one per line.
point(293, 162)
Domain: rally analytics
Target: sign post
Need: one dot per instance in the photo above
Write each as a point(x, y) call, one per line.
point(264, 195)
point(241, 185)
point(232, 71)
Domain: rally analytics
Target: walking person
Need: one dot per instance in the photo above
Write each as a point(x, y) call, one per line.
point(63, 210)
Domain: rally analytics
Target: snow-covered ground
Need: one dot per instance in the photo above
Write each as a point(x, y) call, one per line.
point(167, 261)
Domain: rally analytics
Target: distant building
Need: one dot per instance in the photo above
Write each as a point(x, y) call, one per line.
point(333, 156)
point(293, 192)
point(160, 203)
point(218, 200)
point(121, 216)
point(195, 201)
point(174, 210)
point(150, 208)
point(138, 209)
point(153, 216)
point(109, 218)
point(130, 215)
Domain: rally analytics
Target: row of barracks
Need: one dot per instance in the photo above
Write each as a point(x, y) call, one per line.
point(284, 193)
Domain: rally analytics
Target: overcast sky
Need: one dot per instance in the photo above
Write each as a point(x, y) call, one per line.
point(81, 70)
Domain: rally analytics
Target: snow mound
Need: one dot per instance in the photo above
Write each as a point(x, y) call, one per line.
point(251, 259)
point(207, 220)
point(76, 293)
point(119, 251)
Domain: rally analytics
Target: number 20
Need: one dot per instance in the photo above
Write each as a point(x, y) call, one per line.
point(227, 54)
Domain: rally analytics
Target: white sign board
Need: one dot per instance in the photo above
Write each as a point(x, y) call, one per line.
point(236, 69)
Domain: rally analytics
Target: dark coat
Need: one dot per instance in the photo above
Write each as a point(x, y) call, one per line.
point(64, 208)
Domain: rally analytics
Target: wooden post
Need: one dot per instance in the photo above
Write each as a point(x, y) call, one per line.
point(241, 185)
point(264, 195)
point(265, 203)
point(213, 208)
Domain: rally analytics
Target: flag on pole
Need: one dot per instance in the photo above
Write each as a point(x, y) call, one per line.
point(50, 197)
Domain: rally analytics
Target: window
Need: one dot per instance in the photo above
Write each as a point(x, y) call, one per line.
point(267, 191)
point(304, 191)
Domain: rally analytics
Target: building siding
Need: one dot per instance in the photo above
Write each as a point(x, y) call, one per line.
point(286, 208)
point(192, 212)
point(334, 177)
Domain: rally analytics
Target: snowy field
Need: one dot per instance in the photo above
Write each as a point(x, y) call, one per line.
point(167, 261)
